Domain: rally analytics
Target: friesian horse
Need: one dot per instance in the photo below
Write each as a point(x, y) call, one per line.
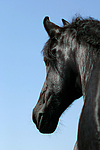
point(72, 59)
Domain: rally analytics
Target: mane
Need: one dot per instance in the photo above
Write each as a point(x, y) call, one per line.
point(86, 31)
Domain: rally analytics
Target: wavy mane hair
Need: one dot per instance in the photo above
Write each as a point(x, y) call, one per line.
point(86, 31)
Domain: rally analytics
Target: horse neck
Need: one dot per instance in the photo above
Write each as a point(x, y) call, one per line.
point(86, 59)
point(89, 125)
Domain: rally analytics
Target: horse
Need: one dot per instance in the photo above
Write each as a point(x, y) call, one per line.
point(72, 59)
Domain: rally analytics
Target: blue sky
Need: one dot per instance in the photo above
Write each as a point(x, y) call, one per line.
point(22, 72)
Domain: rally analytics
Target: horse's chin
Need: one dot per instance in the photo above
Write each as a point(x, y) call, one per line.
point(48, 129)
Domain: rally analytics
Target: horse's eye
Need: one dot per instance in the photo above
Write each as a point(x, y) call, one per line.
point(54, 51)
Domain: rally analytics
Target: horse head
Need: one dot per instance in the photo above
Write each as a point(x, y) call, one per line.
point(61, 86)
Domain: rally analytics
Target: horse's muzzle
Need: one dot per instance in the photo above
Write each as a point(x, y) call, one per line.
point(44, 123)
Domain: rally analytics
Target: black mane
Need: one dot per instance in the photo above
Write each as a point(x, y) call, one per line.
point(86, 31)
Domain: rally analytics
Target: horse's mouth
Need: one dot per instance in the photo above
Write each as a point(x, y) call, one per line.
point(46, 125)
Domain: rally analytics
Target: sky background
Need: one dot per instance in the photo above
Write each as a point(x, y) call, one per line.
point(22, 72)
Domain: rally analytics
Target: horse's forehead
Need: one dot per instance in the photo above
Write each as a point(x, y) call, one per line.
point(65, 44)
point(65, 39)
point(62, 37)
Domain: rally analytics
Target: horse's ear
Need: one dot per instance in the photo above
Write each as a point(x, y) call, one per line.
point(65, 23)
point(51, 28)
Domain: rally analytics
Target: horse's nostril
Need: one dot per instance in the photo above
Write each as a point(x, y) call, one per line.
point(40, 118)
point(40, 114)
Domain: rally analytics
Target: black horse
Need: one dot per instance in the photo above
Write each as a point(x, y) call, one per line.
point(72, 58)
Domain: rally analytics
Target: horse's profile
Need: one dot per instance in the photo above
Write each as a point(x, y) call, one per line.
point(72, 58)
